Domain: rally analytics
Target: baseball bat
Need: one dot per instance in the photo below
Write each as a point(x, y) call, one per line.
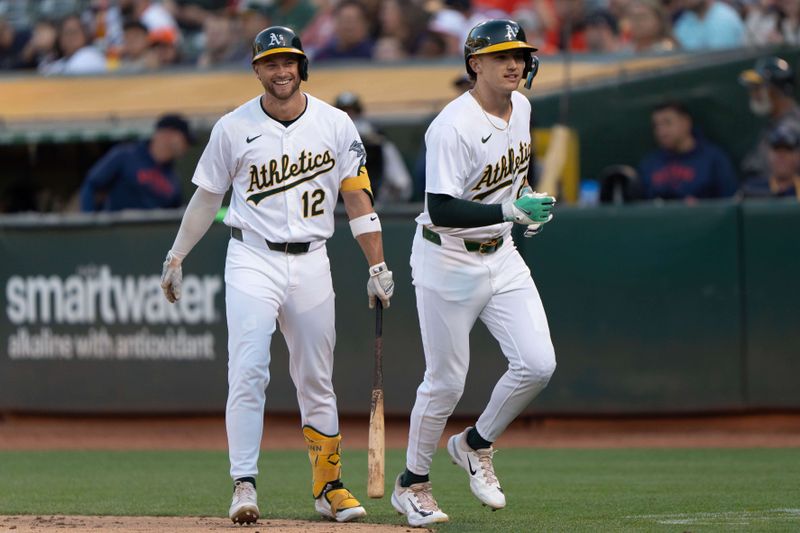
point(376, 454)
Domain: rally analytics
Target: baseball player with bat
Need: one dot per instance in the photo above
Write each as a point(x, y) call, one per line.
point(465, 266)
point(287, 156)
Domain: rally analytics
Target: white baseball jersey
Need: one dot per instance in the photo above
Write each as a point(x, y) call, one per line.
point(470, 158)
point(285, 180)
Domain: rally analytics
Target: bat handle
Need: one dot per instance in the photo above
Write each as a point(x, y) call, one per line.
point(378, 319)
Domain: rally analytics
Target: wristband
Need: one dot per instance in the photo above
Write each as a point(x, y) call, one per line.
point(368, 223)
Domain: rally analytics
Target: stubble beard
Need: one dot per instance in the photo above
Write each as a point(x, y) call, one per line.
point(294, 86)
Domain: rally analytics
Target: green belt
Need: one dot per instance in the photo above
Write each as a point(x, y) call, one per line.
point(488, 247)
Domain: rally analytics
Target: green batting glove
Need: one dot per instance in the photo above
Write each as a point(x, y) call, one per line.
point(531, 208)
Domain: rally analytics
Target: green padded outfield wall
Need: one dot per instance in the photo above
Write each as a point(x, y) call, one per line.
point(771, 244)
point(652, 310)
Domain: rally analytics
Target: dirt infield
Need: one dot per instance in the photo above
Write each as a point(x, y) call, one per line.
point(283, 432)
point(157, 524)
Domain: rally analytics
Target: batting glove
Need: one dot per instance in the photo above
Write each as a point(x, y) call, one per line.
point(530, 208)
point(533, 229)
point(380, 285)
point(172, 278)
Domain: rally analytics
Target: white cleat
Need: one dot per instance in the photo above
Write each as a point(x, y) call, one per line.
point(417, 503)
point(244, 507)
point(337, 503)
point(478, 464)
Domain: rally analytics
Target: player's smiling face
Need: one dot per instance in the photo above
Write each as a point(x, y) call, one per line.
point(279, 74)
point(501, 70)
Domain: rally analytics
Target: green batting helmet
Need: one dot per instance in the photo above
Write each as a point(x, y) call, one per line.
point(498, 35)
point(277, 40)
point(772, 70)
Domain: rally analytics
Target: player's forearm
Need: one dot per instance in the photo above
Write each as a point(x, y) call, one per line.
point(450, 212)
point(372, 246)
point(197, 219)
point(365, 225)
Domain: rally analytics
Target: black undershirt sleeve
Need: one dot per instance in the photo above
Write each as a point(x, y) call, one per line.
point(450, 212)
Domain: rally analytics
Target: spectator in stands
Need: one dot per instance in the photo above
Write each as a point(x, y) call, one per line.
point(602, 32)
point(222, 44)
point(253, 17)
point(685, 165)
point(770, 84)
point(296, 14)
point(388, 175)
point(569, 19)
point(454, 20)
point(78, 56)
point(152, 14)
point(139, 175)
point(773, 22)
point(321, 28)
point(432, 45)
point(351, 39)
point(783, 175)
point(163, 51)
point(762, 23)
point(135, 47)
point(41, 48)
point(402, 25)
point(12, 42)
point(709, 24)
point(650, 27)
point(106, 28)
point(189, 15)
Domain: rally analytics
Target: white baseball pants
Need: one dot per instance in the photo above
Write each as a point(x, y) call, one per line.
point(454, 288)
point(264, 287)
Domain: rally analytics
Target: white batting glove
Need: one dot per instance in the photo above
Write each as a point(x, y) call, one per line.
point(380, 285)
point(172, 278)
point(532, 229)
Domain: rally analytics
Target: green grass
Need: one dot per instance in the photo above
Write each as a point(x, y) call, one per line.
point(547, 490)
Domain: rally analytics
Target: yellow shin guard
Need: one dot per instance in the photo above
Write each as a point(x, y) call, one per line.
point(323, 452)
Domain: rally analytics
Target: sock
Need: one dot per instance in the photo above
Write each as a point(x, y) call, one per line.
point(410, 478)
point(475, 441)
point(250, 479)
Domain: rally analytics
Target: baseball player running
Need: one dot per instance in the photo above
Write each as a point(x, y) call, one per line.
point(465, 266)
point(287, 156)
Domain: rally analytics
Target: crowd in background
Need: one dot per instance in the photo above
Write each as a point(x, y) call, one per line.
point(62, 37)
point(95, 36)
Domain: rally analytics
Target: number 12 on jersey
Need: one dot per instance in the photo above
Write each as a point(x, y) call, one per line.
point(311, 203)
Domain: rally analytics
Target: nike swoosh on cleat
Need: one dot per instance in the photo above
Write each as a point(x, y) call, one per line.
point(483, 140)
point(471, 470)
point(420, 511)
point(251, 139)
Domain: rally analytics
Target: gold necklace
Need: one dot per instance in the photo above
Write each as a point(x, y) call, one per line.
point(487, 115)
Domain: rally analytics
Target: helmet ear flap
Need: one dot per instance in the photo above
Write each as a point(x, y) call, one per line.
point(304, 68)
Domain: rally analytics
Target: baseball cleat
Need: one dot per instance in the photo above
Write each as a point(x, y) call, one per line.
point(337, 503)
point(478, 463)
point(244, 507)
point(417, 503)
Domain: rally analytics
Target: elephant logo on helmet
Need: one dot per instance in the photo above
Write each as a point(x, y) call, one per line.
point(276, 40)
